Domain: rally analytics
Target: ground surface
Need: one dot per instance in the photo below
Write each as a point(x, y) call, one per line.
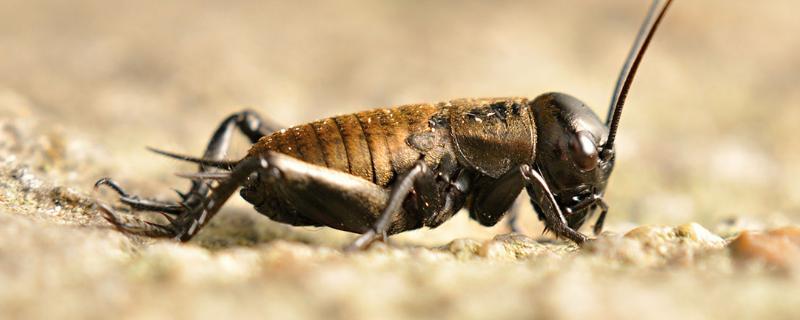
point(706, 146)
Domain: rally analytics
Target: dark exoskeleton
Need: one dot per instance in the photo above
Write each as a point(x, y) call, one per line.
point(390, 170)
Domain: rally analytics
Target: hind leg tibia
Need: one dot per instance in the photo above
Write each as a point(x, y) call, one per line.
point(185, 223)
point(248, 122)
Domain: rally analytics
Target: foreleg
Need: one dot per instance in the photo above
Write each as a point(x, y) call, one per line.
point(540, 194)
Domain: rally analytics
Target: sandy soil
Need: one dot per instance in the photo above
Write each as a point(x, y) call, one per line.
point(706, 146)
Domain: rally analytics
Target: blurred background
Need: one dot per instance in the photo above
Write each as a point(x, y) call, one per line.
point(708, 134)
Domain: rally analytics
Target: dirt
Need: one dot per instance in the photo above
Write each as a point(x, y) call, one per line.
point(704, 200)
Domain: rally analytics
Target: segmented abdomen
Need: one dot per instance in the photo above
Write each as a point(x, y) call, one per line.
point(369, 144)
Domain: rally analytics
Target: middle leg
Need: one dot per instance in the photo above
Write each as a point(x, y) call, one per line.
point(419, 174)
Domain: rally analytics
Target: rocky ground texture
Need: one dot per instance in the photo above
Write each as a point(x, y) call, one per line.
point(59, 259)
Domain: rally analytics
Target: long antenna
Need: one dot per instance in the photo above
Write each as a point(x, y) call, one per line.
point(625, 80)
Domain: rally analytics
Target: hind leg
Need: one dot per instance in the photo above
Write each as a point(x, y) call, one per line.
point(248, 122)
point(292, 189)
point(192, 217)
point(342, 201)
point(324, 196)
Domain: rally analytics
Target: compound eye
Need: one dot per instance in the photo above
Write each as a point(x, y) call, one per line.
point(584, 151)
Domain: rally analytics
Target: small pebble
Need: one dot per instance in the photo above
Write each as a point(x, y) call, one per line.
point(512, 246)
point(691, 232)
point(463, 249)
point(777, 248)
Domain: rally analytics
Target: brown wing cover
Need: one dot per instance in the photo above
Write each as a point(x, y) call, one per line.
point(493, 135)
point(370, 144)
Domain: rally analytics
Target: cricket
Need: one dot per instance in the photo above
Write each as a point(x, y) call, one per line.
point(390, 170)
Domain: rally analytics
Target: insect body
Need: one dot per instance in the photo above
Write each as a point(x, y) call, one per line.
point(386, 171)
point(448, 153)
